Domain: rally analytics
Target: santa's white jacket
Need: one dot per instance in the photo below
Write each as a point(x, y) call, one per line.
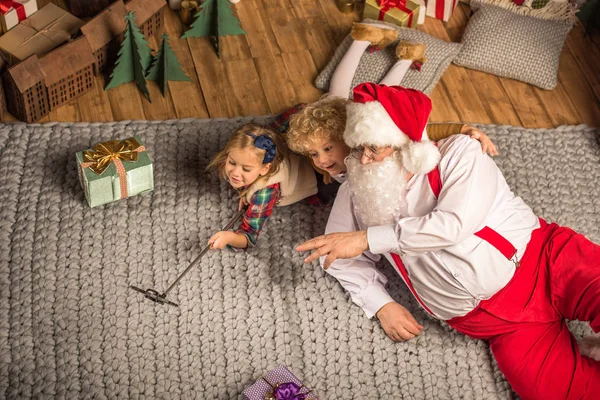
point(450, 268)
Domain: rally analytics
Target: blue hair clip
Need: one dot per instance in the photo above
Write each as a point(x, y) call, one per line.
point(265, 143)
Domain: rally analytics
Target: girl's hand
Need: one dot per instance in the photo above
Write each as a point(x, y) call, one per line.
point(221, 239)
point(243, 203)
point(487, 145)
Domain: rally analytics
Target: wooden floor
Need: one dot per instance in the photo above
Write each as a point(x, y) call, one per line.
point(289, 41)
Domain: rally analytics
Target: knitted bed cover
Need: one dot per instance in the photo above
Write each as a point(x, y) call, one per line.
point(70, 327)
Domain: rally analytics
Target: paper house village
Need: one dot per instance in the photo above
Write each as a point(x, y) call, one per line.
point(38, 77)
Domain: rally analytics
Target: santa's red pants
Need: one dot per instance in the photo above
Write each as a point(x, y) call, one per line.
point(559, 277)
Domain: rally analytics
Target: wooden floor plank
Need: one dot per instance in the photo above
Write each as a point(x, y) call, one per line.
point(94, 106)
point(213, 80)
point(442, 107)
point(302, 72)
point(66, 113)
point(587, 56)
point(289, 31)
point(276, 83)
point(339, 22)
point(494, 98)
point(306, 9)
point(246, 88)
point(261, 40)
point(230, 88)
point(188, 100)
point(458, 85)
point(321, 41)
point(526, 103)
point(558, 106)
point(580, 93)
point(126, 103)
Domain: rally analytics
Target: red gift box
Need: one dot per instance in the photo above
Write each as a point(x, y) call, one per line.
point(440, 9)
point(14, 11)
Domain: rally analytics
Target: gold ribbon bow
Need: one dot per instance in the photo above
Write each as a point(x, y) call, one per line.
point(113, 151)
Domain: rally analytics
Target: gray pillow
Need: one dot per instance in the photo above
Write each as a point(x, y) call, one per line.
point(521, 47)
point(374, 66)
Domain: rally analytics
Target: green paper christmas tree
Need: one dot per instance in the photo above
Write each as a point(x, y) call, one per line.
point(166, 66)
point(215, 19)
point(134, 58)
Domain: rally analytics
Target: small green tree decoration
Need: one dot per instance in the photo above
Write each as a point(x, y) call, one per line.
point(215, 19)
point(134, 58)
point(166, 66)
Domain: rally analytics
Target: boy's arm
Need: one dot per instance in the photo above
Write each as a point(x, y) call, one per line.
point(439, 131)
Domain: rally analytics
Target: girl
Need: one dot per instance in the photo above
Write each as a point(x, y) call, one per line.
point(316, 131)
point(257, 163)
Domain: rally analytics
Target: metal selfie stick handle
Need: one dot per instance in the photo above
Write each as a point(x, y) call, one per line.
point(156, 297)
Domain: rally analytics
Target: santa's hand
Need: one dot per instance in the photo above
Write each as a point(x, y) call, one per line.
point(335, 245)
point(398, 323)
point(487, 146)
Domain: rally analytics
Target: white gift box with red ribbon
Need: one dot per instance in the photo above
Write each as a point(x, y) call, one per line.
point(14, 11)
point(440, 9)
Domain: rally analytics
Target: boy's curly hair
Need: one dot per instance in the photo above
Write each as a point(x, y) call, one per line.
point(324, 119)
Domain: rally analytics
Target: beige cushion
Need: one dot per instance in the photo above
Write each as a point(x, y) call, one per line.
point(525, 48)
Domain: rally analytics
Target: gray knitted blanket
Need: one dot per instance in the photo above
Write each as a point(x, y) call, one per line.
point(70, 327)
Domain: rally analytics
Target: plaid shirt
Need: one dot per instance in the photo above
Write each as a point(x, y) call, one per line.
point(258, 211)
point(282, 121)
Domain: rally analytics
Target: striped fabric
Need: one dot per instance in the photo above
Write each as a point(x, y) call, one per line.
point(440, 9)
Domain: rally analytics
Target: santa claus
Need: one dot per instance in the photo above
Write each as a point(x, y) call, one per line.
point(470, 251)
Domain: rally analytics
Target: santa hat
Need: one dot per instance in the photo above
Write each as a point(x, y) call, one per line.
point(392, 116)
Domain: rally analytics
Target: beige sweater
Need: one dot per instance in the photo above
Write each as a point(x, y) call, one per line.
point(296, 179)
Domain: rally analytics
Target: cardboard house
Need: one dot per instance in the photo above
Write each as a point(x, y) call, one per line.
point(149, 15)
point(2, 102)
point(69, 72)
point(24, 86)
point(105, 33)
point(37, 86)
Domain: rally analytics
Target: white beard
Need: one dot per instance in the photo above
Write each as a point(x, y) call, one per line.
point(378, 191)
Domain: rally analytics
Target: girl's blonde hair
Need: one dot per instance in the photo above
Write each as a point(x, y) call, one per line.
point(242, 139)
point(324, 119)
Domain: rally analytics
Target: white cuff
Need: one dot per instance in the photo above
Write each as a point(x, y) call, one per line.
point(374, 297)
point(382, 239)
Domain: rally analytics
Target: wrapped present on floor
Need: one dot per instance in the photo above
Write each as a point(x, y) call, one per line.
point(114, 170)
point(398, 12)
point(44, 31)
point(14, 11)
point(440, 9)
point(279, 384)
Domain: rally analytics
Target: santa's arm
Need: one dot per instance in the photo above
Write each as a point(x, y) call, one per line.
point(470, 182)
point(359, 276)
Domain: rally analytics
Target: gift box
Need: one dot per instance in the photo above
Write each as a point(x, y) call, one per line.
point(440, 9)
point(279, 384)
point(14, 11)
point(398, 12)
point(114, 170)
point(44, 31)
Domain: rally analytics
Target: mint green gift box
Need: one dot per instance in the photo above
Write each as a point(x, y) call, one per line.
point(115, 169)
